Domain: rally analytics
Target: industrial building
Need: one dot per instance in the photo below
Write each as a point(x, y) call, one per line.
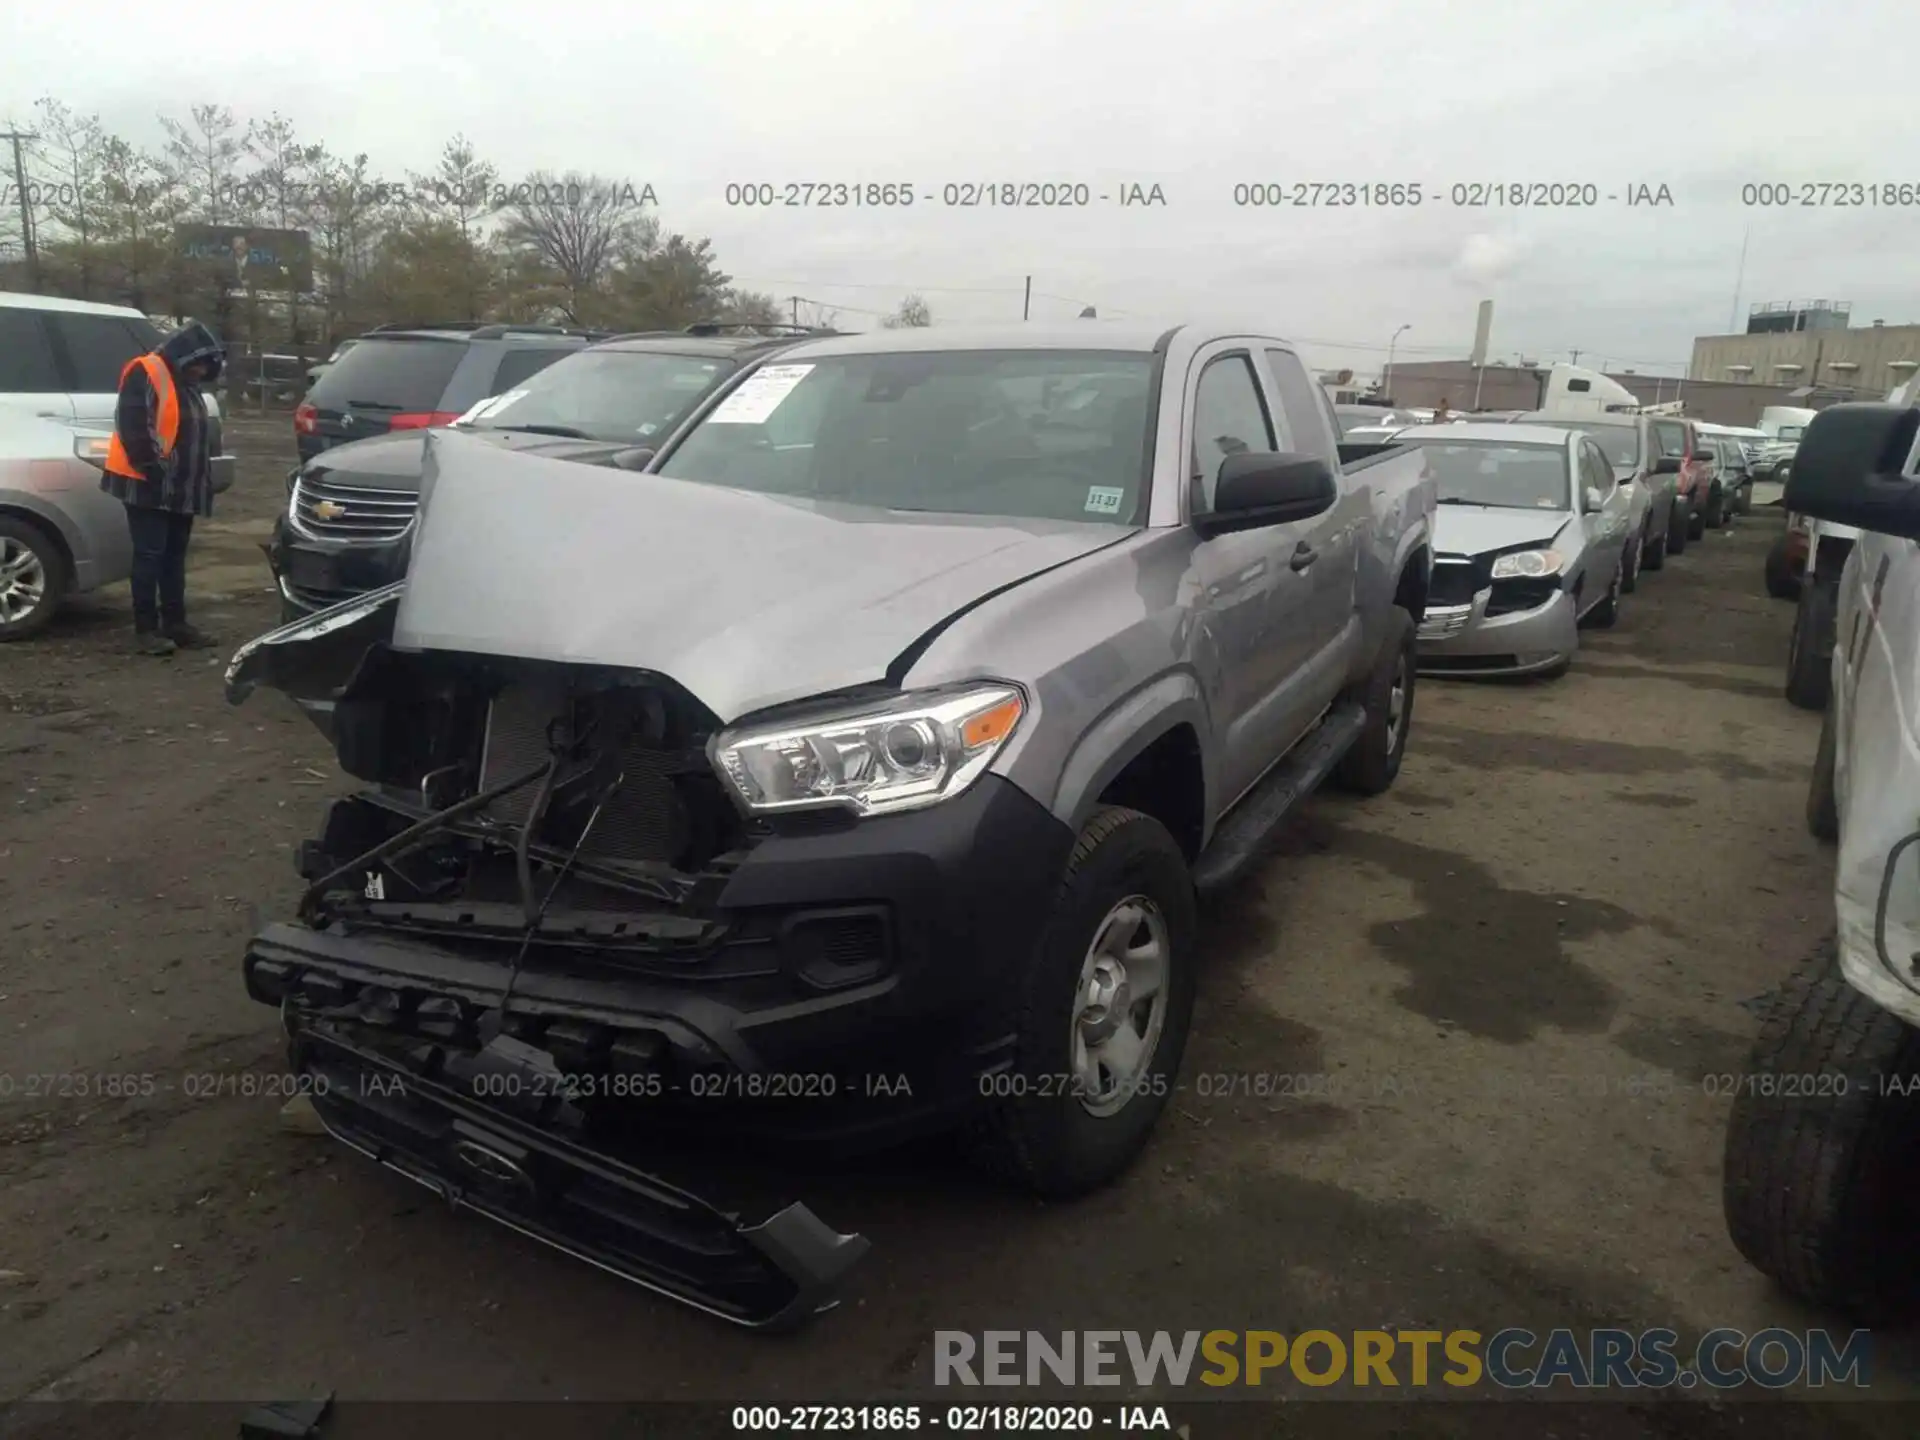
point(1811, 346)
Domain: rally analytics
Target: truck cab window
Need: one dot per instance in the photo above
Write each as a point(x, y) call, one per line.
point(1229, 418)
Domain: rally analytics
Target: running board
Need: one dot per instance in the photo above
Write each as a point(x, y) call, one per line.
point(1243, 835)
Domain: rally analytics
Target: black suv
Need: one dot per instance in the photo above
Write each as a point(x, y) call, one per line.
point(410, 377)
point(349, 519)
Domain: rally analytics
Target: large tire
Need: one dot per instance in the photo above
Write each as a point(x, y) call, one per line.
point(1370, 766)
point(1782, 583)
point(1823, 803)
point(1818, 1179)
point(33, 578)
point(1679, 527)
point(1809, 674)
point(1043, 1135)
point(1706, 519)
point(1654, 550)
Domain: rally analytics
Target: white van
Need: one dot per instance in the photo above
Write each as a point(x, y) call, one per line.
point(61, 359)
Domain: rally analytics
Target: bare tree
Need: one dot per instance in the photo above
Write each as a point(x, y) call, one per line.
point(281, 179)
point(912, 314)
point(745, 307)
point(462, 189)
point(69, 152)
point(205, 157)
point(579, 225)
point(138, 208)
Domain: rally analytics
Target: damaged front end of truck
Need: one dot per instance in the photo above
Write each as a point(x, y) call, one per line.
point(465, 986)
point(550, 943)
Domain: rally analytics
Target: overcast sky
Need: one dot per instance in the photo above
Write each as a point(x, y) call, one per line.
point(1195, 97)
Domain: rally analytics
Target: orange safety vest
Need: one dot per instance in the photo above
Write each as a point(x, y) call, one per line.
point(166, 430)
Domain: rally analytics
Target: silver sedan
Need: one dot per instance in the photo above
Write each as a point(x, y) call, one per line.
point(1530, 543)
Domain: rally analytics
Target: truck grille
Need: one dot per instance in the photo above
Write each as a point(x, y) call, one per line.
point(330, 511)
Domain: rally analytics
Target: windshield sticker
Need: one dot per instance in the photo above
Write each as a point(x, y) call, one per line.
point(492, 405)
point(760, 395)
point(648, 428)
point(1103, 500)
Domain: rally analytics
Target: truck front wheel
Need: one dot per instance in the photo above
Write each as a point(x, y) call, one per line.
point(1809, 652)
point(1823, 1149)
point(1103, 1017)
point(1370, 766)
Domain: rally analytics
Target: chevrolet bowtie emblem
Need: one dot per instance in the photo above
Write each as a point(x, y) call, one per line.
point(327, 510)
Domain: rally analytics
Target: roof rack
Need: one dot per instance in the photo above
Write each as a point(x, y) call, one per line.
point(496, 331)
point(426, 325)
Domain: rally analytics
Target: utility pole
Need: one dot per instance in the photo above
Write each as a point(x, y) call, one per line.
point(1026, 305)
point(20, 137)
point(1739, 279)
point(1576, 357)
point(796, 310)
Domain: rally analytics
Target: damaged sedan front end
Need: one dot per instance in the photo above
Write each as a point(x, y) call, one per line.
point(578, 921)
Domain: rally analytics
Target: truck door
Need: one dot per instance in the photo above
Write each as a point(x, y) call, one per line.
point(1332, 539)
point(1253, 597)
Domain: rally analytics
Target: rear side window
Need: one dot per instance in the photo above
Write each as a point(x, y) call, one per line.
point(26, 359)
point(390, 374)
point(1305, 406)
point(517, 365)
point(99, 347)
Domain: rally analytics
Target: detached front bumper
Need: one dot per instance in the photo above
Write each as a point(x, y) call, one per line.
point(1466, 640)
point(536, 1177)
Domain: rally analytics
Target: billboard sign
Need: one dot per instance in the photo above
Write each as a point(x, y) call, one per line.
point(243, 255)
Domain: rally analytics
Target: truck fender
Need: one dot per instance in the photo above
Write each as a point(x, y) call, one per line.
point(1122, 734)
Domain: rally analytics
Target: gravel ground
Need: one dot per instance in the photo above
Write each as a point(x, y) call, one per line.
point(1517, 974)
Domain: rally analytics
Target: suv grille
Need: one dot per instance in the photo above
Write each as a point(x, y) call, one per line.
point(1455, 582)
point(328, 511)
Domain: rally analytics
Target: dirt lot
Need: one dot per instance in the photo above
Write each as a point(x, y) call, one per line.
point(1519, 971)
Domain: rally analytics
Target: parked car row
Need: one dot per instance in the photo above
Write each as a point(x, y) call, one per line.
point(1549, 518)
point(60, 535)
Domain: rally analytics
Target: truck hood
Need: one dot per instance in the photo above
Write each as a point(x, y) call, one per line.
point(1470, 530)
point(747, 600)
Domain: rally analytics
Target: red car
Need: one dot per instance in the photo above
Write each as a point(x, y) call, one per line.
point(1697, 492)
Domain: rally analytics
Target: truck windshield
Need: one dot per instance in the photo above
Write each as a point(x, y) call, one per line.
point(1485, 472)
point(620, 396)
point(1045, 435)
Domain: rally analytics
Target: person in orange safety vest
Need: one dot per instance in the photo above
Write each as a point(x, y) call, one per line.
point(160, 466)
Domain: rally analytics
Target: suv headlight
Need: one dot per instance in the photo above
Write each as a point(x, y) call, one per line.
point(1529, 565)
point(915, 751)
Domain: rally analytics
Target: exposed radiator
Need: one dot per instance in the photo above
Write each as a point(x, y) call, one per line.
point(644, 819)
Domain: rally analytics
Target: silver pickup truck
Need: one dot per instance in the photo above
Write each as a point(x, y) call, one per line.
point(851, 770)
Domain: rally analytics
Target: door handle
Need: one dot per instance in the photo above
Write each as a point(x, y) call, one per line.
point(1303, 556)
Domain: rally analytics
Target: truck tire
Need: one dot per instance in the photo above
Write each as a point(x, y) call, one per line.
point(1679, 527)
point(1809, 675)
point(1370, 767)
point(1707, 519)
point(1782, 583)
point(1823, 802)
point(1818, 1174)
point(33, 578)
point(1127, 889)
point(1653, 549)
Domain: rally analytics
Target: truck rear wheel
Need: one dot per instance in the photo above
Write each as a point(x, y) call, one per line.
point(1104, 1015)
point(1782, 582)
point(1679, 527)
point(1653, 549)
point(1370, 767)
point(1823, 1149)
point(1809, 670)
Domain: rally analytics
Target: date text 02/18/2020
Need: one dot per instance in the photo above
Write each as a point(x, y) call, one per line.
point(953, 195)
point(1466, 195)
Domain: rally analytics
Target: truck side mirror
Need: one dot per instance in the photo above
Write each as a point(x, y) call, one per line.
point(1848, 469)
point(1256, 489)
point(1667, 465)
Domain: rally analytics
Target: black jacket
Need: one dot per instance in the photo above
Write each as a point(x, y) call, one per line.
point(183, 480)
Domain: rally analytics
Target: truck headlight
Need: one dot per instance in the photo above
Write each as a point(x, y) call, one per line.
point(914, 751)
point(1529, 565)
